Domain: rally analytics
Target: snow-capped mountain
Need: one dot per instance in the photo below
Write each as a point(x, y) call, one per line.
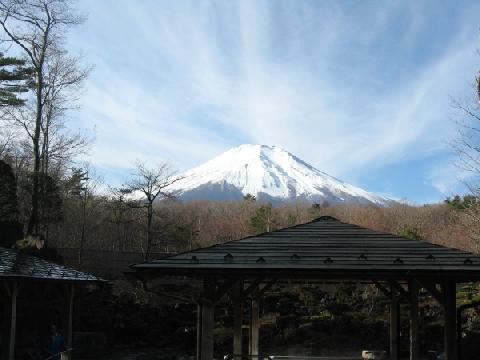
point(270, 174)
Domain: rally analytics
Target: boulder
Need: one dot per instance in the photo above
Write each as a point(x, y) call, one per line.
point(374, 355)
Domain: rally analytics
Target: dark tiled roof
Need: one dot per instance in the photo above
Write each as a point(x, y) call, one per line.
point(322, 246)
point(17, 265)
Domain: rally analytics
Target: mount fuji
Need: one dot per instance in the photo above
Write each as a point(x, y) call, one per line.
point(270, 174)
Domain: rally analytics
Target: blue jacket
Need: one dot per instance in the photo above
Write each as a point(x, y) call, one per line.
point(53, 346)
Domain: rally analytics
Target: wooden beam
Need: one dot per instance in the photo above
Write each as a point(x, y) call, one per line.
point(414, 339)
point(223, 289)
point(394, 324)
point(237, 320)
point(401, 290)
point(252, 287)
point(254, 329)
point(185, 299)
point(266, 287)
point(383, 289)
point(450, 318)
point(431, 287)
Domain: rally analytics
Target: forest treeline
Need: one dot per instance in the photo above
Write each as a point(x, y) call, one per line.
point(114, 225)
point(50, 198)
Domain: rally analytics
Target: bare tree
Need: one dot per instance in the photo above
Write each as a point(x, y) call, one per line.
point(37, 28)
point(151, 184)
point(120, 213)
point(467, 142)
point(64, 80)
point(467, 146)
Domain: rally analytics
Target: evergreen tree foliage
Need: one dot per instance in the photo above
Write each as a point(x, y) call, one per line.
point(8, 193)
point(462, 203)
point(262, 220)
point(410, 232)
point(13, 80)
point(250, 198)
point(10, 229)
point(51, 204)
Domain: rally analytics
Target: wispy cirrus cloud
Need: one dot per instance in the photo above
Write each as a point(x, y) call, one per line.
point(353, 88)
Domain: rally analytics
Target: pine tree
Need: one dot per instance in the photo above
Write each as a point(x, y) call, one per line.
point(263, 220)
point(13, 80)
point(10, 229)
point(8, 193)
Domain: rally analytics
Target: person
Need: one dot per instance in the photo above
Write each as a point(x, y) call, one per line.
point(53, 344)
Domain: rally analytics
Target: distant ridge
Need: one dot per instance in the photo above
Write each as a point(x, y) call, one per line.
point(270, 174)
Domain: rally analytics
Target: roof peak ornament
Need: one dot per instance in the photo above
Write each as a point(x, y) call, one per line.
point(326, 218)
point(261, 260)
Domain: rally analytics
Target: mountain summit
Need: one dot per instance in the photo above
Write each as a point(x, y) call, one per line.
point(270, 174)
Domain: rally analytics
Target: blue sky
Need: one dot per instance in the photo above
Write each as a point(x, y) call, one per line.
point(360, 89)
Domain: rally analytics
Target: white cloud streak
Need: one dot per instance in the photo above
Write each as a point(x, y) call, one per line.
point(347, 88)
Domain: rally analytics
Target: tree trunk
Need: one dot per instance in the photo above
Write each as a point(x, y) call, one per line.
point(82, 237)
point(33, 220)
point(149, 229)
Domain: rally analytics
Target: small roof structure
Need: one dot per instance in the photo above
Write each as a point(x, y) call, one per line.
point(16, 265)
point(21, 269)
point(323, 248)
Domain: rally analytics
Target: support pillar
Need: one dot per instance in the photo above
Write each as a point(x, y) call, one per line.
point(394, 324)
point(254, 329)
point(199, 330)
point(237, 320)
point(414, 340)
point(450, 318)
point(11, 320)
point(205, 322)
point(69, 318)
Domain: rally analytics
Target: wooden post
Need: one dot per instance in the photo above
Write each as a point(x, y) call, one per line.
point(450, 317)
point(394, 324)
point(254, 328)
point(12, 290)
point(206, 321)
point(414, 341)
point(199, 331)
point(69, 322)
point(237, 320)
point(459, 333)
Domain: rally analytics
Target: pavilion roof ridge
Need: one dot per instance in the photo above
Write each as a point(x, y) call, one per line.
point(17, 264)
point(325, 248)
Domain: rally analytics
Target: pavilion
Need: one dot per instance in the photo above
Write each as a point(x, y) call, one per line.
point(324, 249)
point(20, 271)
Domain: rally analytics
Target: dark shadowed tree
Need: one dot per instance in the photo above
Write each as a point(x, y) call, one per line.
point(10, 228)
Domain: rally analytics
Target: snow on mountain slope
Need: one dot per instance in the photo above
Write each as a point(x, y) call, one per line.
point(271, 174)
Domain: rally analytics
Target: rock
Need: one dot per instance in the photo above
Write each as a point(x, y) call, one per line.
point(374, 355)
